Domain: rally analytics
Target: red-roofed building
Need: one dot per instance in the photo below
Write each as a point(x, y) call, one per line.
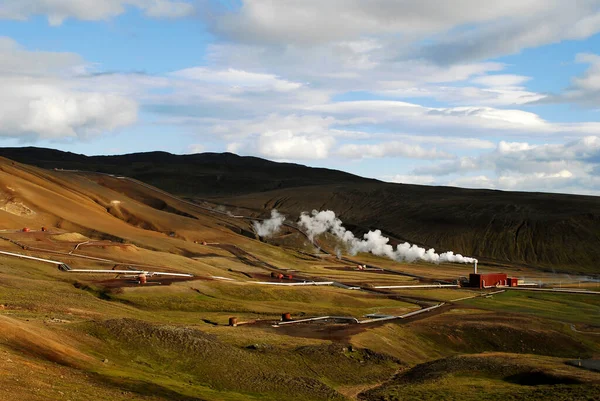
point(488, 280)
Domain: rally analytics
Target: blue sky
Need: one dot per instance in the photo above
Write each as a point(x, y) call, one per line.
point(502, 95)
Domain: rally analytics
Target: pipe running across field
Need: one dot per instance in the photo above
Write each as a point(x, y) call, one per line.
point(407, 315)
point(316, 319)
point(393, 287)
point(64, 267)
point(18, 255)
point(294, 284)
point(356, 321)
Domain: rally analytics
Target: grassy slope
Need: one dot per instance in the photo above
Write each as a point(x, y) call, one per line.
point(163, 348)
point(563, 307)
point(171, 342)
point(489, 377)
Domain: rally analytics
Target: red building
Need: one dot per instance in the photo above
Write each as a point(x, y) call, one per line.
point(513, 281)
point(488, 280)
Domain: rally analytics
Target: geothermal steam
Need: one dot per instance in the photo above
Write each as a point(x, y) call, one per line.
point(270, 226)
point(325, 221)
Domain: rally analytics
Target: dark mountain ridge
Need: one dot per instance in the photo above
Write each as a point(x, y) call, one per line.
point(203, 174)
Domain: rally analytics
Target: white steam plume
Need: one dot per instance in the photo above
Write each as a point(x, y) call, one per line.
point(319, 222)
point(270, 226)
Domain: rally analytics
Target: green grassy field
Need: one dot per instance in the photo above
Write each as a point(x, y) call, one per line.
point(572, 308)
point(489, 377)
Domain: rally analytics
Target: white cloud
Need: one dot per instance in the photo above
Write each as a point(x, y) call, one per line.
point(546, 22)
point(584, 89)
point(460, 165)
point(16, 60)
point(264, 20)
point(284, 145)
point(492, 90)
point(52, 109)
point(235, 147)
point(287, 145)
point(525, 157)
point(477, 181)
point(447, 142)
point(195, 148)
point(568, 167)
point(42, 98)
point(346, 65)
point(468, 120)
point(237, 78)
point(563, 181)
point(455, 31)
point(391, 149)
point(410, 179)
point(306, 124)
point(467, 95)
point(90, 10)
point(280, 137)
point(167, 9)
point(501, 80)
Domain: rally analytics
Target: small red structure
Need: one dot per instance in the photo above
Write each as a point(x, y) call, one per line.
point(142, 278)
point(289, 277)
point(26, 229)
point(512, 282)
point(488, 280)
point(286, 317)
point(44, 229)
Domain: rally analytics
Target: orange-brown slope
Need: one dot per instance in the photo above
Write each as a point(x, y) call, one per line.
point(35, 197)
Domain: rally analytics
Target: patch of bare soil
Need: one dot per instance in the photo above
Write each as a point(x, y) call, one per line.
point(9, 203)
point(70, 237)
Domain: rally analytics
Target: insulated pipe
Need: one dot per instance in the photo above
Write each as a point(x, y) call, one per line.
point(18, 255)
point(391, 287)
point(294, 284)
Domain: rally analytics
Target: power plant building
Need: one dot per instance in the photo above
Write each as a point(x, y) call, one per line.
point(489, 280)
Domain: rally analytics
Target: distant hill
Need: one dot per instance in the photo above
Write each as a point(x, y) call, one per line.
point(553, 231)
point(205, 174)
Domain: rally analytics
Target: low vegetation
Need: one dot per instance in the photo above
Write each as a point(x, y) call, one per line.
point(94, 337)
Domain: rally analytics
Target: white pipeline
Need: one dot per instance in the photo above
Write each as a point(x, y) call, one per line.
point(294, 284)
point(314, 319)
point(354, 320)
point(392, 287)
point(18, 255)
